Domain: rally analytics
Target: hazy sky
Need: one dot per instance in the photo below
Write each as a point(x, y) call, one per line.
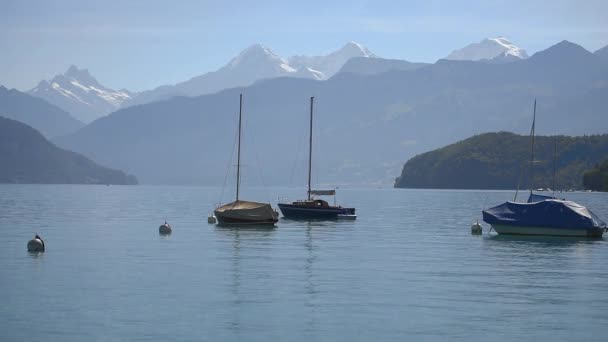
point(139, 45)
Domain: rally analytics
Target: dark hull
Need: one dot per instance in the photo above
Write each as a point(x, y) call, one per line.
point(507, 229)
point(230, 221)
point(291, 211)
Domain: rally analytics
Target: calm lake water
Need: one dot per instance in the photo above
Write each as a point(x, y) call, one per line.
point(407, 269)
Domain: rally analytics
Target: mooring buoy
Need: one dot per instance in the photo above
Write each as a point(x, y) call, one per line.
point(36, 244)
point(476, 228)
point(164, 229)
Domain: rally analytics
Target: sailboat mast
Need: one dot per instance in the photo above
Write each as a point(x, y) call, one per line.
point(238, 158)
point(532, 149)
point(312, 98)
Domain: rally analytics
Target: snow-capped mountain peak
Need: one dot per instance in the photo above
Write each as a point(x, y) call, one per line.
point(259, 53)
point(510, 48)
point(489, 48)
point(80, 94)
point(356, 50)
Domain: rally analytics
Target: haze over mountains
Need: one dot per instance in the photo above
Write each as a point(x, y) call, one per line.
point(367, 123)
point(38, 113)
point(27, 157)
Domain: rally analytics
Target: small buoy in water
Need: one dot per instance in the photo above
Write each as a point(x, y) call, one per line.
point(211, 219)
point(164, 229)
point(476, 228)
point(36, 244)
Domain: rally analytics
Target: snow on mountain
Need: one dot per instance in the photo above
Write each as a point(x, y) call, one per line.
point(330, 64)
point(255, 63)
point(80, 94)
point(489, 48)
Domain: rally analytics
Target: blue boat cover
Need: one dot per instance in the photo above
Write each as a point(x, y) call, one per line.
point(552, 213)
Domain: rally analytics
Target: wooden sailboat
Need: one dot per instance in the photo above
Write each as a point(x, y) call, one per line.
point(314, 208)
point(242, 212)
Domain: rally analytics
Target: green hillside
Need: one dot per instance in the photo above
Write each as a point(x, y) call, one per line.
point(597, 178)
point(500, 160)
point(27, 157)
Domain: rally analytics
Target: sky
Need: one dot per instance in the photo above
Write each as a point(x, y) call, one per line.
point(139, 45)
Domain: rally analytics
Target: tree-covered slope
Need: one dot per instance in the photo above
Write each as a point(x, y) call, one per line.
point(597, 178)
point(27, 157)
point(500, 160)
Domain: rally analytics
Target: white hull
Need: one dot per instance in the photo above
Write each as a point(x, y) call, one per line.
point(523, 230)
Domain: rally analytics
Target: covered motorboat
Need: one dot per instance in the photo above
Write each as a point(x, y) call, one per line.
point(246, 212)
point(545, 217)
point(541, 214)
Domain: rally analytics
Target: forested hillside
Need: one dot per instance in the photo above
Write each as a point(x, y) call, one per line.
point(501, 161)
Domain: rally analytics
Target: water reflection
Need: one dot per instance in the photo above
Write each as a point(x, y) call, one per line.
point(240, 237)
point(311, 290)
point(36, 255)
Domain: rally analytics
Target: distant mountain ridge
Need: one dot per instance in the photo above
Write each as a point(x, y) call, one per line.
point(497, 160)
point(80, 94)
point(38, 113)
point(27, 157)
point(603, 52)
point(371, 66)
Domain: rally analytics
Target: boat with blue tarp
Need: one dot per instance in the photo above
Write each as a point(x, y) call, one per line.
point(543, 215)
point(547, 216)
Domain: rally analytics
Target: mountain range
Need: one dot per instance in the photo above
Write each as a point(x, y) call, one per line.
point(77, 92)
point(254, 64)
point(366, 124)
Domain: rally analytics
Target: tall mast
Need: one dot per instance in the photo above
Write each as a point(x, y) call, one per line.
point(532, 149)
point(238, 158)
point(312, 98)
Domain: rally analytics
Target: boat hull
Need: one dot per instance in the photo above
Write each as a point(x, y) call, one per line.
point(233, 221)
point(547, 231)
point(291, 211)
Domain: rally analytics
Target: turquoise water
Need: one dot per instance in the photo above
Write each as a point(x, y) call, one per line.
point(407, 269)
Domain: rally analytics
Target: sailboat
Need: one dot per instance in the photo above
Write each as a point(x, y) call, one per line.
point(543, 215)
point(242, 212)
point(314, 208)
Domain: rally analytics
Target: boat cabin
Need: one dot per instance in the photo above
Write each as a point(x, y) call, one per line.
point(316, 203)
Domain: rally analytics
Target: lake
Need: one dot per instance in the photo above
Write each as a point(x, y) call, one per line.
point(406, 269)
